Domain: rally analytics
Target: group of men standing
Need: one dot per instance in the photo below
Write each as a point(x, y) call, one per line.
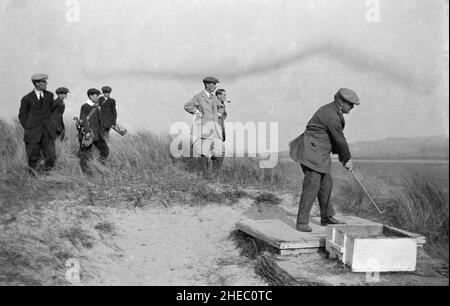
point(41, 117)
point(97, 116)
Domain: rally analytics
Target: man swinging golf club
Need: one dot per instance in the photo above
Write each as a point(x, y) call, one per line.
point(324, 136)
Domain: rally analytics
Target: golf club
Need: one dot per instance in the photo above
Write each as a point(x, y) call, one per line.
point(365, 190)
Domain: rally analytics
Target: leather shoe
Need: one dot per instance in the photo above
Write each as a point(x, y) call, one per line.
point(304, 228)
point(329, 221)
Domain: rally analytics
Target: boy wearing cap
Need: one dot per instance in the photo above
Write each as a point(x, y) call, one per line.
point(109, 112)
point(90, 115)
point(206, 127)
point(324, 136)
point(58, 113)
point(35, 116)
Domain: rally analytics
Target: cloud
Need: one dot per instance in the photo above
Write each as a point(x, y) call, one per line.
point(351, 57)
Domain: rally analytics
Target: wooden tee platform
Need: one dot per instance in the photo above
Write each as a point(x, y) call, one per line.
point(288, 241)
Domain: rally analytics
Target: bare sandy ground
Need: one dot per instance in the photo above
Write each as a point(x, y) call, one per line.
point(180, 246)
point(154, 246)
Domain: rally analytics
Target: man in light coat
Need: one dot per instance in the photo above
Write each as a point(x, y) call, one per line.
point(324, 136)
point(207, 131)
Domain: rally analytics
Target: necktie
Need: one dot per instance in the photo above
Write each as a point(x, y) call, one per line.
point(41, 98)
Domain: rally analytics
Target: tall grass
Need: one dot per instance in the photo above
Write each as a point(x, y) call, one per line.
point(133, 156)
point(247, 172)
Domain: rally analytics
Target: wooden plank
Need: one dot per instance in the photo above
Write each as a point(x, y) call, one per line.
point(294, 252)
point(281, 236)
point(421, 240)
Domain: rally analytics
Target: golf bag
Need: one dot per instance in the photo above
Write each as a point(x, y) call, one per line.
point(85, 135)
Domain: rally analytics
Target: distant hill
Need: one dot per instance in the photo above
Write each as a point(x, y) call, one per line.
point(434, 147)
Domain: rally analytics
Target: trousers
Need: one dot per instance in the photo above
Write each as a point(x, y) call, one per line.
point(85, 153)
point(45, 147)
point(315, 185)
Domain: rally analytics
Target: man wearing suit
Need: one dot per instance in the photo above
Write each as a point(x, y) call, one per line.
point(35, 116)
point(109, 112)
point(91, 117)
point(206, 128)
point(324, 136)
point(58, 113)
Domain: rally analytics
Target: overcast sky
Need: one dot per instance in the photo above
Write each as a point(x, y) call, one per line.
point(279, 59)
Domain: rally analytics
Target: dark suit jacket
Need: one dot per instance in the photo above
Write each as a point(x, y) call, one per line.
point(95, 123)
point(324, 136)
point(35, 117)
point(57, 116)
point(108, 113)
point(223, 111)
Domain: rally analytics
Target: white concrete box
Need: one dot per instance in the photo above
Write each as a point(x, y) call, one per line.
point(372, 248)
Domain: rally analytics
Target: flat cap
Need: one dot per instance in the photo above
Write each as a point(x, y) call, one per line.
point(349, 96)
point(106, 89)
point(62, 91)
point(211, 80)
point(93, 91)
point(38, 77)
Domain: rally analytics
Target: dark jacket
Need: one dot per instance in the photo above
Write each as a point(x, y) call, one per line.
point(324, 135)
point(35, 116)
point(58, 116)
point(95, 124)
point(223, 111)
point(108, 112)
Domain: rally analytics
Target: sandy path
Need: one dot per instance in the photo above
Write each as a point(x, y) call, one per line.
point(176, 246)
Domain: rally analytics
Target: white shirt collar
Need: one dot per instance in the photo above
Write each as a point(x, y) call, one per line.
point(38, 93)
point(90, 102)
point(207, 93)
